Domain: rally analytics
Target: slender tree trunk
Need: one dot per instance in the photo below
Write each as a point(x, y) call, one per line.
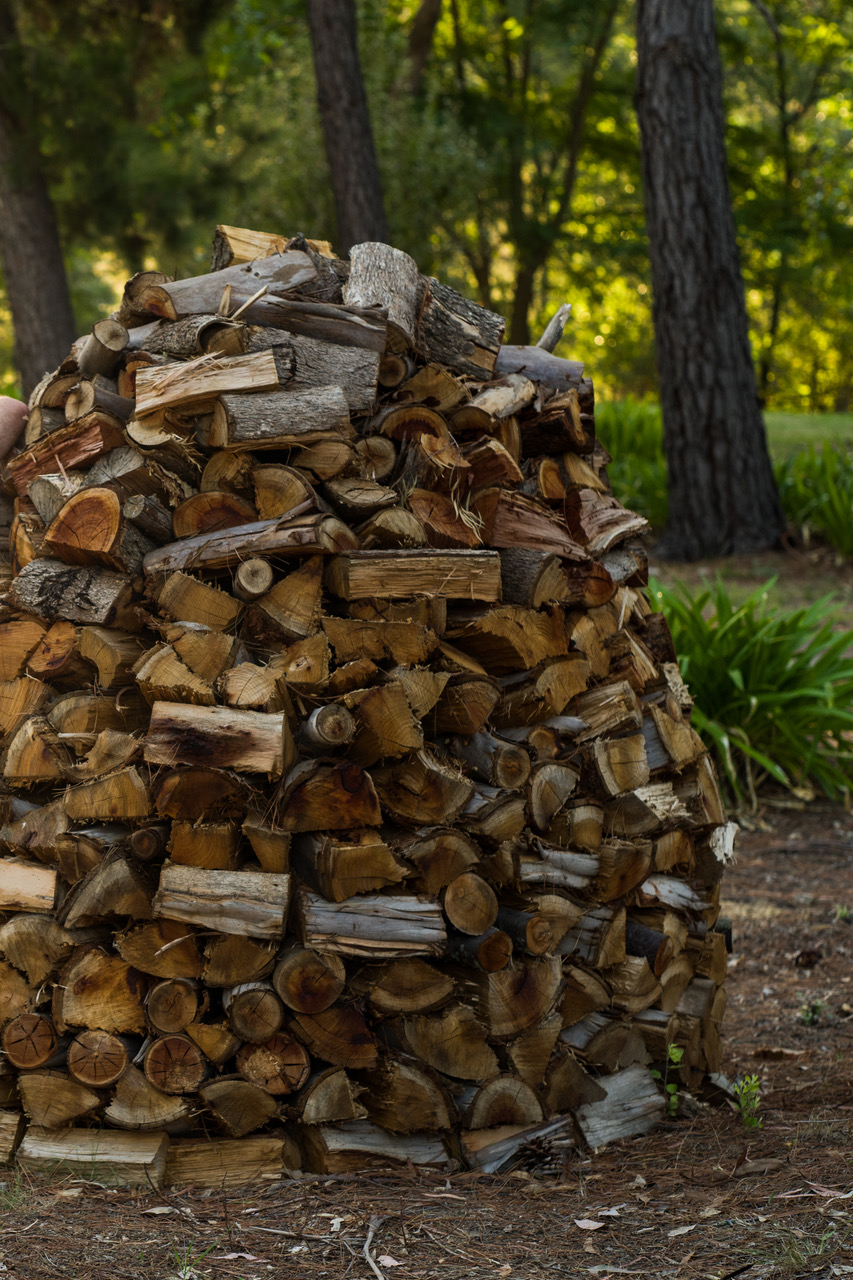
point(31, 259)
point(723, 496)
point(345, 117)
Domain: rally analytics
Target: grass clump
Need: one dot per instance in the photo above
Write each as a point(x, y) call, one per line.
point(632, 431)
point(816, 489)
point(773, 690)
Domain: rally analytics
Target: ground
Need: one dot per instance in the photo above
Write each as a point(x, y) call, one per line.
point(702, 1196)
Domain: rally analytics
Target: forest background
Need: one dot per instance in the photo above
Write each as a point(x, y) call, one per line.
point(508, 149)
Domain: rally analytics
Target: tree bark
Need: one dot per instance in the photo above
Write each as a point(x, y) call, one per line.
point(31, 257)
point(345, 116)
point(723, 496)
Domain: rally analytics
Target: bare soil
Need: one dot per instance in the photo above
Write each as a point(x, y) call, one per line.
point(699, 1197)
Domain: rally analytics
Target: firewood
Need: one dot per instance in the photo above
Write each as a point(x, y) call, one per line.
point(545, 691)
point(512, 520)
point(328, 322)
point(101, 352)
point(456, 333)
point(467, 574)
point(237, 1106)
point(161, 948)
point(202, 1163)
point(600, 522)
point(250, 902)
point(18, 640)
point(420, 790)
point(335, 797)
point(505, 1100)
point(338, 1035)
point(191, 794)
point(598, 937)
point(114, 888)
point(292, 605)
point(353, 638)
point(499, 763)
point(233, 245)
point(340, 868)
point(252, 579)
point(98, 991)
point(632, 1106)
point(470, 904)
point(453, 1043)
point(491, 950)
point(358, 1144)
point(78, 444)
point(172, 1005)
point(308, 981)
point(24, 887)
point(112, 652)
point(201, 381)
point(16, 994)
point(30, 1041)
point(374, 926)
point(174, 1064)
point(403, 1099)
point(254, 1011)
point(384, 277)
point(213, 845)
point(34, 944)
point(279, 1066)
point(248, 741)
point(407, 986)
point(138, 1104)
point(216, 1040)
point(306, 364)
point(97, 1058)
point(54, 591)
point(226, 548)
point(270, 845)
point(35, 754)
point(135, 1160)
point(161, 676)
point(248, 687)
point(231, 958)
point(122, 796)
point(50, 492)
point(20, 699)
point(281, 420)
point(329, 1096)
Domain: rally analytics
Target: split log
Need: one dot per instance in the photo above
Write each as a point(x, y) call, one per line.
point(458, 334)
point(230, 1163)
point(332, 797)
point(421, 791)
point(161, 948)
point(187, 600)
point(329, 1096)
point(238, 1107)
point(403, 1099)
point(231, 958)
point(35, 945)
point(340, 868)
point(250, 902)
point(282, 273)
point(491, 950)
point(473, 575)
point(248, 741)
point(228, 547)
point(357, 1145)
point(338, 1035)
point(632, 1106)
point(199, 382)
point(453, 1043)
point(381, 276)
point(279, 421)
point(172, 1005)
point(138, 1104)
point(407, 986)
point(376, 926)
point(54, 591)
point(124, 1159)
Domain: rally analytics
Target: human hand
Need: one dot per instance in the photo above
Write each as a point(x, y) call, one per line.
point(13, 416)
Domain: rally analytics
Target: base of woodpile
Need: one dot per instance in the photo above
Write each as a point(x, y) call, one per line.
point(350, 809)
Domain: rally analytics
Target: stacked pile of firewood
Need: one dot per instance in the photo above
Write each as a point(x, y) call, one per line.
point(350, 796)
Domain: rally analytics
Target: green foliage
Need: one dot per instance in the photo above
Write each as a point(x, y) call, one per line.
point(773, 691)
point(674, 1056)
point(632, 432)
point(812, 1012)
point(748, 1102)
point(816, 488)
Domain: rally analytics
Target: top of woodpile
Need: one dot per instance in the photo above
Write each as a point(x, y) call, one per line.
point(339, 737)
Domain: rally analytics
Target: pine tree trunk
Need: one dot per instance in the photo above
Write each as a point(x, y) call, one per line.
point(723, 496)
point(345, 116)
point(31, 259)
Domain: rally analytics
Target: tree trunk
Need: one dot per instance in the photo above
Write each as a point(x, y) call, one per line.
point(31, 258)
point(723, 496)
point(345, 116)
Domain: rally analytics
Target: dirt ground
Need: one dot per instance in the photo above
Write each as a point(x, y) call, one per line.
point(699, 1197)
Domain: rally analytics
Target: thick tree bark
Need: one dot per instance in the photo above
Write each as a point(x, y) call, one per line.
point(31, 258)
point(723, 496)
point(353, 167)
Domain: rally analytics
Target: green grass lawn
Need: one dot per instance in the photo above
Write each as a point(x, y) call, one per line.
point(788, 433)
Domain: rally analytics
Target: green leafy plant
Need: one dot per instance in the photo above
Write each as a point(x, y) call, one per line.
point(842, 913)
point(811, 1012)
point(674, 1056)
point(816, 489)
point(748, 1101)
point(632, 431)
point(773, 690)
